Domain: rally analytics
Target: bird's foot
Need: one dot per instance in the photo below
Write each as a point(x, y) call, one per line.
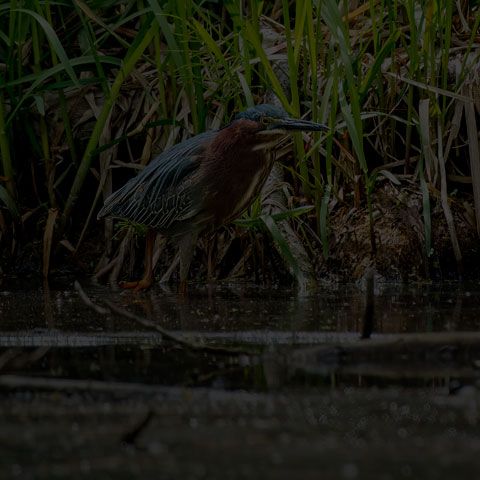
point(137, 286)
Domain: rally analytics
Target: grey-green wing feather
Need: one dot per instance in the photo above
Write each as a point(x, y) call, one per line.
point(164, 191)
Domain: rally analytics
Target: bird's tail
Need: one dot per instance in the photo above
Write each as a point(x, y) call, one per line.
point(112, 206)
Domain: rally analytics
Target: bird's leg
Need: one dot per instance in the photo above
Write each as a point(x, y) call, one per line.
point(186, 250)
point(182, 287)
point(147, 278)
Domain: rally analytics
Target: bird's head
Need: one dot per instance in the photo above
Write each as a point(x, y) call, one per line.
point(273, 124)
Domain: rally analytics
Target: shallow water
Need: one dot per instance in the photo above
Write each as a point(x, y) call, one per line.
point(344, 381)
point(232, 307)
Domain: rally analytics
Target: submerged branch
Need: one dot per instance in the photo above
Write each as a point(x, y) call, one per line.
point(177, 339)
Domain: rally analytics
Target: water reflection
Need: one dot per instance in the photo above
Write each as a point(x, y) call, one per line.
point(70, 375)
point(50, 327)
point(384, 309)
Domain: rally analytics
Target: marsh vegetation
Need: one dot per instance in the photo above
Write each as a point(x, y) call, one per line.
point(89, 92)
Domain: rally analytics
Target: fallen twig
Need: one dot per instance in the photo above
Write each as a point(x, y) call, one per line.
point(181, 340)
point(178, 339)
point(62, 384)
point(87, 301)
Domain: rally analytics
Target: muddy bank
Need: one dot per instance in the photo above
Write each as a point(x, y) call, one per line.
point(400, 240)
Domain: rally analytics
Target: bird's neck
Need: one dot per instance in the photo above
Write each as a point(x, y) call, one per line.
point(232, 157)
point(237, 136)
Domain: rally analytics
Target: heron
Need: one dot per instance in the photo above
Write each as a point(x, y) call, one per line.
point(203, 183)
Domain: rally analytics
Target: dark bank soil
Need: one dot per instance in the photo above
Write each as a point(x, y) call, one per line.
point(401, 254)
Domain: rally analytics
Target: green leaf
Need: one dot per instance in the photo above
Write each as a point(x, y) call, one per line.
point(246, 89)
point(282, 243)
point(55, 42)
point(254, 39)
point(371, 183)
point(212, 45)
point(355, 135)
point(147, 32)
point(352, 113)
point(9, 203)
point(377, 64)
point(41, 77)
point(173, 47)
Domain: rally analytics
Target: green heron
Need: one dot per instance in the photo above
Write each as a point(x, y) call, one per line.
point(203, 183)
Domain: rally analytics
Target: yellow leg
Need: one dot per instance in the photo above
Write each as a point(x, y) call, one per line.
point(147, 278)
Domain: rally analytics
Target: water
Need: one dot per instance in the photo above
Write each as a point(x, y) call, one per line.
point(378, 382)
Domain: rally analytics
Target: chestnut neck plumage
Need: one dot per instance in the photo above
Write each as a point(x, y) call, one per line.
point(246, 160)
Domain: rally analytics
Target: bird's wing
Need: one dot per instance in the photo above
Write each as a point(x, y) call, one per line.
point(163, 192)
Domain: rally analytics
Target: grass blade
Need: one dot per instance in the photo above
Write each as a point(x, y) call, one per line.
point(48, 240)
point(254, 39)
point(5, 151)
point(146, 34)
point(283, 245)
point(41, 77)
point(9, 203)
point(474, 151)
point(56, 44)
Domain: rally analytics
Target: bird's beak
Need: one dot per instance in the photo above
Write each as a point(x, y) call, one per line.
point(294, 124)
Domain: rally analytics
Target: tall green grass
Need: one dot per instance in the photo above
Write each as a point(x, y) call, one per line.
point(379, 76)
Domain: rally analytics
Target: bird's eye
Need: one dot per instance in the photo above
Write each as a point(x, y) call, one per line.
point(265, 121)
